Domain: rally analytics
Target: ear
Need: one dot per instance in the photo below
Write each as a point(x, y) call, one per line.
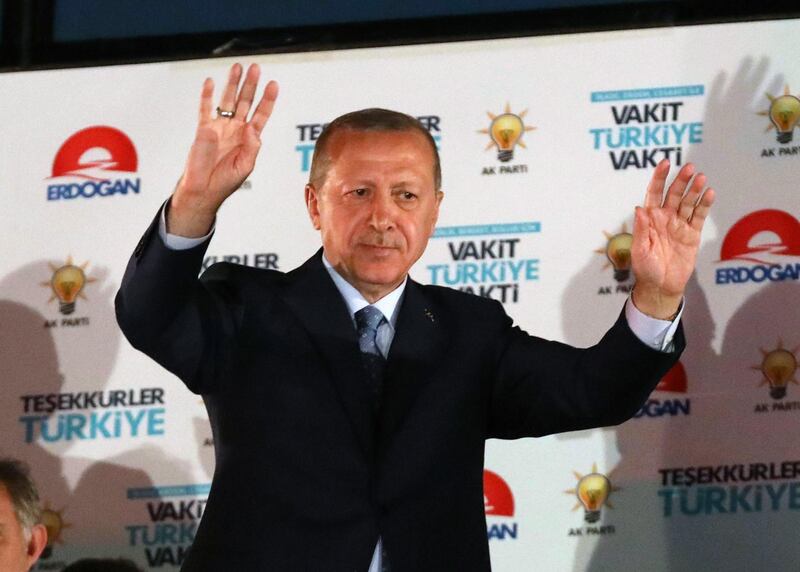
point(37, 543)
point(439, 197)
point(312, 205)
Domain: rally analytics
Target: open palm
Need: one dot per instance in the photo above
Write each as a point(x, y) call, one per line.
point(666, 234)
point(224, 149)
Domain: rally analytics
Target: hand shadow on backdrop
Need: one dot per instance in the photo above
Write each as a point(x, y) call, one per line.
point(33, 359)
point(645, 445)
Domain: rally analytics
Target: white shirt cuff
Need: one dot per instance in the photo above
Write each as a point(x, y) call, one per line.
point(173, 241)
point(657, 334)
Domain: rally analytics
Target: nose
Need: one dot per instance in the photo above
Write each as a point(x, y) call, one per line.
point(382, 213)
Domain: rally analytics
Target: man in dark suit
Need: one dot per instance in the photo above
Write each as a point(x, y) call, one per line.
point(350, 404)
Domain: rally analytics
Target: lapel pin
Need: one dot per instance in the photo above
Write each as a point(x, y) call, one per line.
point(429, 314)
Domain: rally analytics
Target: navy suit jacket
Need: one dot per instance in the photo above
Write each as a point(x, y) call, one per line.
point(307, 476)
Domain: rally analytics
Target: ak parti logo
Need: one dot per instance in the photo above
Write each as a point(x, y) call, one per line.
point(498, 502)
point(784, 116)
point(618, 253)
point(66, 283)
point(778, 368)
point(592, 492)
point(95, 161)
point(765, 241)
point(505, 132)
point(54, 521)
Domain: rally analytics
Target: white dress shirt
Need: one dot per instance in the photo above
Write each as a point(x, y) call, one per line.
point(388, 305)
point(655, 333)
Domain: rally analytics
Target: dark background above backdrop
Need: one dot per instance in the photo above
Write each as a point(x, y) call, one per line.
point(36, 34)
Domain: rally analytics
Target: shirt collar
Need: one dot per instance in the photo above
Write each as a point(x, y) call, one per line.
point(388, 305)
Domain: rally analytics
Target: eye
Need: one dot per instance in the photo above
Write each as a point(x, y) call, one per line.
point(406, 196)
point(360, 192)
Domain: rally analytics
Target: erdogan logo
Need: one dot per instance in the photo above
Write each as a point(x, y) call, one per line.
point(92, 152)
point(498, 502)
point(675, 380)
point(761, 237)
point(497, 497)
point(98, 161)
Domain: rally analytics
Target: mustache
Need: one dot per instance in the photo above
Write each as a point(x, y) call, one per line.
point(380, 240)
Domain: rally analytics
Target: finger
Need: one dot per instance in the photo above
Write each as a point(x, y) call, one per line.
point(678, 186)
point(655, 188)
point(247, 92)
point(202, 157)
point(249, 152)
point(641, 228)
point(264, 109)
point(206, 97)
point(702, 209)
point(690, 200)
point(228, 101)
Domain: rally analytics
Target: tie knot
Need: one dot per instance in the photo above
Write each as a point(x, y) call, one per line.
point(368, 318)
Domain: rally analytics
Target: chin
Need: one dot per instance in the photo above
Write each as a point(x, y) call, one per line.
point(375, 274)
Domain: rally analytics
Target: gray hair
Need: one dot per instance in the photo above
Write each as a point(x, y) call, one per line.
point(373, 119)
point(15, 478)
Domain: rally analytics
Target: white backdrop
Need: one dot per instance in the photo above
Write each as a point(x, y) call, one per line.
point(705, 479)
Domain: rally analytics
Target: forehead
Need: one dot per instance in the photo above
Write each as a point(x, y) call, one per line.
point(353, 151)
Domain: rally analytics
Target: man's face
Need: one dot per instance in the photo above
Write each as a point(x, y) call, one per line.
point(16, 553)
point(377, 206)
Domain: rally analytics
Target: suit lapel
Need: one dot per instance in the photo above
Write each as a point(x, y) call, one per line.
point(313, 297)
point(416, 347)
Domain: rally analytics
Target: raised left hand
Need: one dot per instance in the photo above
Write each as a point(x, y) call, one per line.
point(666, 237)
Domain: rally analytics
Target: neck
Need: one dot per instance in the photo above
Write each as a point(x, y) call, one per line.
point(374, 292)
point(371, 291)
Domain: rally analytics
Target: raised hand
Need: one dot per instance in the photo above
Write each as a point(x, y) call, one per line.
point(223, 153)
point(666, 238)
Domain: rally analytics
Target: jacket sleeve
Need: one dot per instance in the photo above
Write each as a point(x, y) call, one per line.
point(187, 325)
point(543, 387)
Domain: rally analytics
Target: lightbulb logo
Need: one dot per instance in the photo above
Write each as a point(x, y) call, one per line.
point(53, 521)
point(498, 503)
point(784, 115)
point(618, 253)
point(95, 161)
point(778, 367)
point(765, 239)
point(593, 492)
point(506, 132)
point(67, 283)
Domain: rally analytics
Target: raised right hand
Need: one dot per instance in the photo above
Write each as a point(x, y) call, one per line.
point(223, 153)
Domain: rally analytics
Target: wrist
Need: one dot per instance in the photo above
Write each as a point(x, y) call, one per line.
point(186, 218)
point(656, 304)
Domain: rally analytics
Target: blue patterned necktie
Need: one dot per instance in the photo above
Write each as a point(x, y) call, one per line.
point(368, 319)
